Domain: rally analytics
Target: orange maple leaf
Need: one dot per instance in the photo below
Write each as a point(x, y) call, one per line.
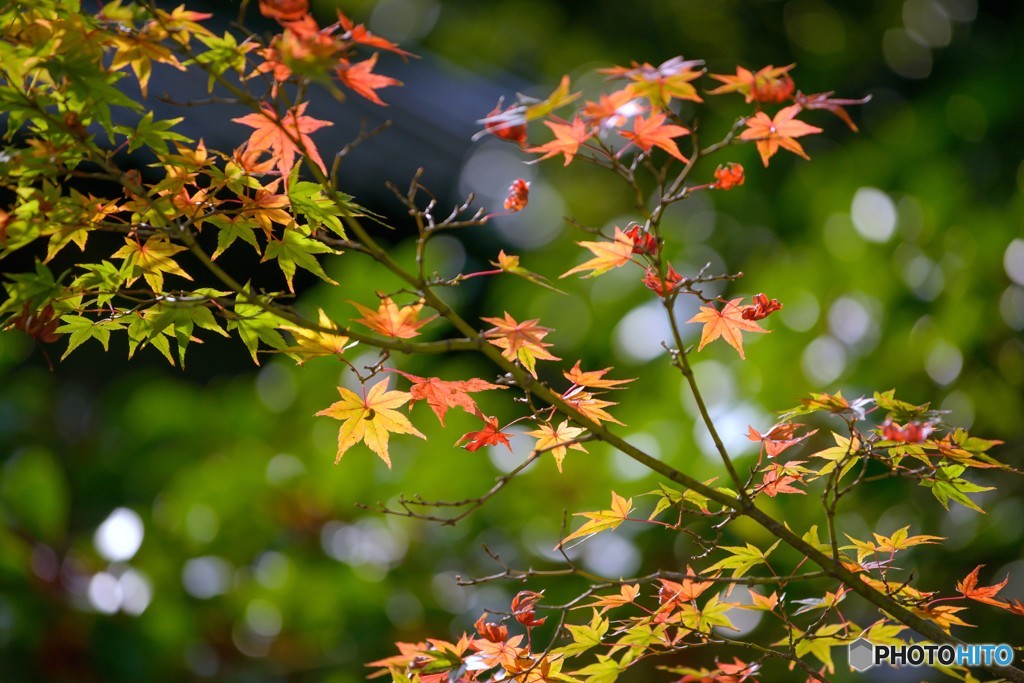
point(392, 321)
point(772, 133)
point(627, 595)
point(357, 33)
point(969, 589)
point(284, 138)
point(441, 395)
point(568, 138)
point(674, 593)
point(593, 378)
point(612, 111)
point(284, 10)
point(654, 132)
point(520, 341)
point(490, 435)
point(370, 419)
point(590, 406)
point(607, 255)
point(726, 323)
point(360, 78)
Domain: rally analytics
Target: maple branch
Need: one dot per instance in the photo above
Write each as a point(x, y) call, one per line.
point(681, 360)
point(743, 506)
point(471, 505)
point(513, 574)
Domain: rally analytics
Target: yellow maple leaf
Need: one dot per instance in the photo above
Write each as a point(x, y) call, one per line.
point(151, 260)
point(601, 520)
point(315, 343)
point(370, 419)
point(607, 255)
point(557, 440)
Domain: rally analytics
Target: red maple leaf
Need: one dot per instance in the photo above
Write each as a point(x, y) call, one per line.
point(441, 395)
point(284, 138)
point(490, 435)
point(654, 132)
point(360, 78)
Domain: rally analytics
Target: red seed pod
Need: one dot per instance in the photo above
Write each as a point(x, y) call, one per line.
point(762, 308)
point(506, 125)
point(774, 90)
point(643, 241)
point(654, 282)
point(728, 176)
point(518, 195)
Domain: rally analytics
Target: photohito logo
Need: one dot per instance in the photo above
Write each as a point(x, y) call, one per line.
point(863, 654)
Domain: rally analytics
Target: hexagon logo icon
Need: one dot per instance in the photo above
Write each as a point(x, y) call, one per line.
point(861, 655)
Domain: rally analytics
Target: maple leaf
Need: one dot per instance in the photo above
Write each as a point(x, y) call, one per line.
point(673, 594)
point(151, 260)
point(602, 520)
point(370, 419)
point(267, 208)
point(284, 138)
point(360, 78)
point(824, 100)
point(509, 263)
point(663, 83)
point(607, 255)
point(591, 407)
point(727, 323)
point(654, 132)
point(392, 321)
point(520, 341)
point(593, 378)
point(772, 133)
point(627, 595)
point(441, 395)
point(492, 654)
point(557, 440)
point(778, 438)
point(969, 589)
point(490, 435)
point(284, 10)
point(776, 481)
point(357, 33)
point(568, 138)
point(316, 343)
point(139, 51)
point(612, 111)
point(771, 84)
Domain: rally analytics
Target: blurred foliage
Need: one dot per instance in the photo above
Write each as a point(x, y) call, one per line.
point(258, 565)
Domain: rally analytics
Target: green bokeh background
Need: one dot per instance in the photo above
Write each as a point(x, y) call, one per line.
point(228, 465)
